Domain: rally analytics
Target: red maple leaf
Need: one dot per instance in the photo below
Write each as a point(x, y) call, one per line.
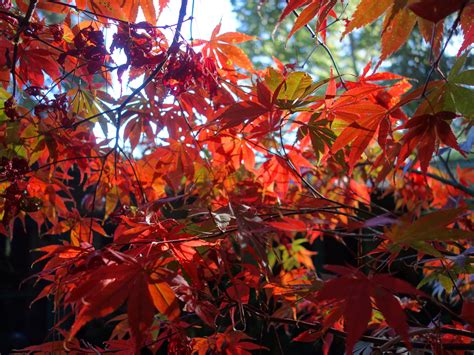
point(425, 132)
point(353, 293)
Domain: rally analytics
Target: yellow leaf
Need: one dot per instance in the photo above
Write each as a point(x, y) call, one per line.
point(111, 200)
point(367, 12)
point(396, 31)
point(107, 8)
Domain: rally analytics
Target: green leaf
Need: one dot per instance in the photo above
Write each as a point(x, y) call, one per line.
point(273, 79)
point(321, 135)
point(446, 283)
point(459, 99)
point(460, 62)
point(464, 78)
point(13, 133)
point(429, 227)
point(295, 86)
point(426, 280)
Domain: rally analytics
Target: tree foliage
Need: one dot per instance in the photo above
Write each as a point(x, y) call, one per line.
point(198, 220)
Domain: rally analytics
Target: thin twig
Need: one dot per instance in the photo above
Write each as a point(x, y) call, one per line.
point(173, 47)
point(370, 339)
point(435, 64)
point(453, 281)
point(454, 184)
point(135, 173)
point(16, 40)
point(325, 47)
point(78, 9)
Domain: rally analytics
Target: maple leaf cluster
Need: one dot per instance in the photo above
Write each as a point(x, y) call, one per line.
point(200, 207)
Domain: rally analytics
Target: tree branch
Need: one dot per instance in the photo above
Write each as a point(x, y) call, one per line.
point(173, 47)
point(23, 25)
point(435, 64)
point(325, 47)
point(454, 184)
point(383, 343)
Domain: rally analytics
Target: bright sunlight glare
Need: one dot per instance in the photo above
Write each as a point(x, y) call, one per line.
point(207, 14)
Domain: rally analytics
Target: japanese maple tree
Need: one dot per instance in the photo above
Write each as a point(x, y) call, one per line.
point(190, 211)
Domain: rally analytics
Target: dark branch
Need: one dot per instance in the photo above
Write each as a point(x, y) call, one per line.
point(23, 25)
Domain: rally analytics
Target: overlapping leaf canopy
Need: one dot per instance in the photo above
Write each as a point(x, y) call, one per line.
point(196, 210)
